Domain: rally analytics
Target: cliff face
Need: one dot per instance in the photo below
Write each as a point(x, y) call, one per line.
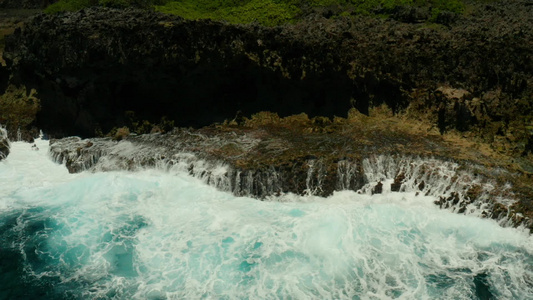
point(91, 67)
point(98, 64)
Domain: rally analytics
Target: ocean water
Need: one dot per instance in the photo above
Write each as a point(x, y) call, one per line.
point(156, 235)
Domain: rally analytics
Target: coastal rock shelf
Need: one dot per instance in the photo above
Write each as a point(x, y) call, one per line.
point(263, 162)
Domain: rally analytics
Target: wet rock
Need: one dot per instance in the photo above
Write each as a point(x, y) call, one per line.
point(378, 188)
point(499, 211)
point(397, 184)
point(4, 144)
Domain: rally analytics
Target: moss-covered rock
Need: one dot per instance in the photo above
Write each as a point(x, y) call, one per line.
point(18, 111)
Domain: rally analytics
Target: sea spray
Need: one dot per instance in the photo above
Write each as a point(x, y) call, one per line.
point(157, 235)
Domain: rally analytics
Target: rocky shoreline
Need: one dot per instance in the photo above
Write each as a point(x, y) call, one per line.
point(271, 156)
point(440, 109)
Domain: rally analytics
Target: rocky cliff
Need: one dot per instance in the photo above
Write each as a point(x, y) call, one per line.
point(92, 66)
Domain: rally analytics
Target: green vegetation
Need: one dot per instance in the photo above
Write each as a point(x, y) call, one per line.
point(18, 108)
point(265, 12)
point(277, 12)
point(73, 5)
point(67, 5)
point(367, 7)
point(445, 5)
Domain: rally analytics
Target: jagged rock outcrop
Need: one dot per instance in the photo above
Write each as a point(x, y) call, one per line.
point(92, 66)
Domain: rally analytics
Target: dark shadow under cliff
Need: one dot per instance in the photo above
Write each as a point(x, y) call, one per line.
point(197, 96)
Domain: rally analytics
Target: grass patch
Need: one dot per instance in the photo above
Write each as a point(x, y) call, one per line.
point(75, 5)
point(264, 12)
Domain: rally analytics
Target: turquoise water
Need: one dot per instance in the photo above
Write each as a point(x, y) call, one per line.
point(155, 235)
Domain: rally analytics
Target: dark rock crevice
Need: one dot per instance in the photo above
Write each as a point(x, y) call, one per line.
point(4, 78)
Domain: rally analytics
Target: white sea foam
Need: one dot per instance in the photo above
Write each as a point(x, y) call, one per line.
point(155, 235)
